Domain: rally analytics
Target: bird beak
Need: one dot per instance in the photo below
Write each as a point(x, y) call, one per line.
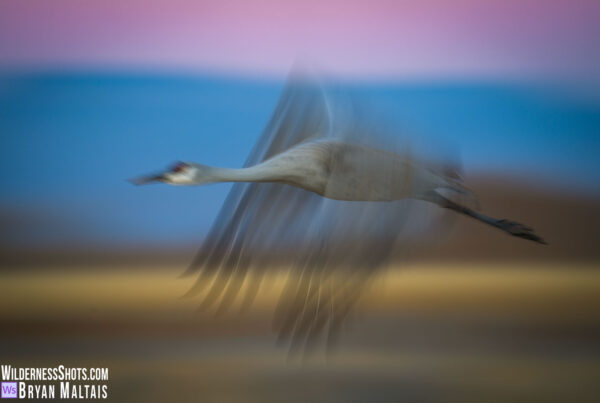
point(144, 180)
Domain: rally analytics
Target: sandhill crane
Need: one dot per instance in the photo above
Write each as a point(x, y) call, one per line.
point(321, 193)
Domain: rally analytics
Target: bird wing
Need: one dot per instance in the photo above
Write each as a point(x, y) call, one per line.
point(331, 247)
point(300, 114)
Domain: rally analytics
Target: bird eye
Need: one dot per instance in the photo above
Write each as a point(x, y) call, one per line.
point(178, 167)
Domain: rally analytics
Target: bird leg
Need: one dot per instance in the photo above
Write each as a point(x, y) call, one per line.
point(511, 227)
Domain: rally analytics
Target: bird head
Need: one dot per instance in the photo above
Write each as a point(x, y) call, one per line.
point(180, 173)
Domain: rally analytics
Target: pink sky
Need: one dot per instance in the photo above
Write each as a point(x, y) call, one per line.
point(373, 39)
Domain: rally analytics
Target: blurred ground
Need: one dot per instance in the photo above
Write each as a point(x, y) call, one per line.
point(476, 316)
point(426, 333)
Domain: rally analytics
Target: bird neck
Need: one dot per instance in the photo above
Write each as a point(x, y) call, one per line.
point(250, 174)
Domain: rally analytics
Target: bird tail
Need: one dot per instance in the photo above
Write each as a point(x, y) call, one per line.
point(457, 192)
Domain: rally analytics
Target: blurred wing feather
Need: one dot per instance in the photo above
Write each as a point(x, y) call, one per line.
point(331, 246)
point(301, 114)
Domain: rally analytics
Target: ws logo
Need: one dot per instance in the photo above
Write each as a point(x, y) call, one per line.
point(9, 390)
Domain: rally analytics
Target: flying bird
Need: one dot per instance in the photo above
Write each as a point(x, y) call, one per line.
point(327, 194)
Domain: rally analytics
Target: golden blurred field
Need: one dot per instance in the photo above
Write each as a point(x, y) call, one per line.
point(467, 333)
